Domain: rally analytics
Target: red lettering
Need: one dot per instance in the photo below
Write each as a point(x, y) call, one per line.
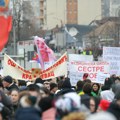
point(26, 76)
point(10, 62)
point(92, 75)
point(47, 75)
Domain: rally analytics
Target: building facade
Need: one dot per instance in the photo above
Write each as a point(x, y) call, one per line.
point(59, 12)
point(88, 10)
point(72, 11)
point(110, 8)
point(105, 8)
point(115, 8)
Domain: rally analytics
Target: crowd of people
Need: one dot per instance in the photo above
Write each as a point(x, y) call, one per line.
point(59, 100)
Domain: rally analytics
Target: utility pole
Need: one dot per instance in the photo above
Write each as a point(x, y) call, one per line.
point(14, 30)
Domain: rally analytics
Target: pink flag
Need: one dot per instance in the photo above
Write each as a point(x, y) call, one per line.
point(45, 54)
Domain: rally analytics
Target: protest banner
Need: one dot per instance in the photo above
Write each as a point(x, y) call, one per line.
point(112, 55)
point(74, 75)
point(92, 68)
point(59, 68)
point(77, 57)
point(16, 71)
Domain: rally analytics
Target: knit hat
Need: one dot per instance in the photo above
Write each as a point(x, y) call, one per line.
point(8, 79)
point(104, 104)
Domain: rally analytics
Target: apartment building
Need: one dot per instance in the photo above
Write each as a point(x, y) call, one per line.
point(58, 12)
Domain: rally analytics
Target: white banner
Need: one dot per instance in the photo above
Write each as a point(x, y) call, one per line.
point(75, 77)
point(101, 77)
point(59, 68)
point(92, 68)
point(112, 55)
point(77, 57)
point(13, 69)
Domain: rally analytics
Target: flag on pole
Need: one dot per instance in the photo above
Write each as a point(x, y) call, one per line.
point(45, 54)
point(5, 27)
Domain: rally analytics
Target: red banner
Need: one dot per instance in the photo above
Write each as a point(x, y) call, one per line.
point(5, 27)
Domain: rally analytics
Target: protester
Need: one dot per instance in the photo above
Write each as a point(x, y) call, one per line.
point(94, 102)
point(53, 88)
point(104, 105)
point(14, 95)
point(46, 100)
point(107, 95)
point(27, 110)
point(95, 89)
point(47, 109)
point(101, 116)
point(47, 84)
point(9, 84)
point(22, 85)
point(85, 98)
point(114, 107)
point(79, 87)
point(65, 87)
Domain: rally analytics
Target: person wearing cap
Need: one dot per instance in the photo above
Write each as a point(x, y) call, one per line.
point(103, 105)
point(9, 84)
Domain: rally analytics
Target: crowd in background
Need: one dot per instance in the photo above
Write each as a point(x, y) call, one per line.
point(59, 100)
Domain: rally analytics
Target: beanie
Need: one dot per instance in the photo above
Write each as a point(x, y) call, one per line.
point(104, 104)
point(8, 79)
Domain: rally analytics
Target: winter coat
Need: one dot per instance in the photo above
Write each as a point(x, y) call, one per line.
point(28, 113)
point(115, 110)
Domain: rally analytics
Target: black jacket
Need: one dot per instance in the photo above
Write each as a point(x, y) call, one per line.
point(12, 86)
point(115, 110)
